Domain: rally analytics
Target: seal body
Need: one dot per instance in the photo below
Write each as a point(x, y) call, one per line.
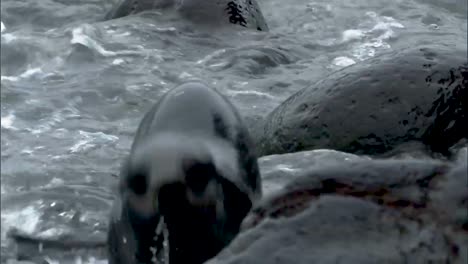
point(245, 13)
point(193, 164)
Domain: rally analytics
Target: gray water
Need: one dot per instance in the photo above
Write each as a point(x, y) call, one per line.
point(74, 87)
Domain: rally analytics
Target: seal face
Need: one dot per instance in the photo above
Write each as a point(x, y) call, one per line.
point(192, 164)
point(245, 13)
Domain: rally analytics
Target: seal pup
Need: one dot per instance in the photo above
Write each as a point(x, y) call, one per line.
point(245, 13)
point(193, 165)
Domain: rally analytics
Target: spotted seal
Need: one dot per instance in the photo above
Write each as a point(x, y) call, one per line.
point(193, 166)
point(245, 13)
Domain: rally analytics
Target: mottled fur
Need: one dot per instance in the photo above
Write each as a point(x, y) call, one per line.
point(193, 162)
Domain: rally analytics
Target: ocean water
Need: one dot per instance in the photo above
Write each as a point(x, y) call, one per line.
point(75, 87)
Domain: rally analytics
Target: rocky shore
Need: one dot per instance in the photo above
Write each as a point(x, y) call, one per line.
point(369, 165)
point(398, 193)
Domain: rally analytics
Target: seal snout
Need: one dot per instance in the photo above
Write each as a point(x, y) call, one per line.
point(192, 208)
point(190, 178)
point(198, 175)
point(199, 189)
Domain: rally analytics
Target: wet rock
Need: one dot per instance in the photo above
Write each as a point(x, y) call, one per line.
point(350, 209)
point(416, 94)
point(240, 12)
point(279, 170)
point(450, 193)
point(340, 230)
point(398, 183)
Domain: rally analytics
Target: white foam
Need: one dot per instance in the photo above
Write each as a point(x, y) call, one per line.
point(352, 34)
point(93, 260)
point(31, 72)
point(211, 56)
point(33, 101)
point(54, 183)
point(53, 232)
point(3, 28)
point(343, 61)
point(164, 29)
point(99, 135)
point(81, 145)
point(133, 87)
point(28, 73)
point(364, 52)
point(375, 37)
point(8, 37)
point(25, 220)
point(368, 49)
point(261, 94)
point(309, 26)
point(392, 22)
point(51, 261)
point(7, 121)
point(118, 61)
point(240, 84)
point(371, 14)
point(124, 34)
point(27, 151)
point(61, 132)
point(79, 37)
point(9, 78)
point(87, 140)
point(185, 75)
point(57, 157)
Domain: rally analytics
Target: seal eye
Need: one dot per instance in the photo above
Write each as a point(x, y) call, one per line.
point(137, 183)
point(197, 176)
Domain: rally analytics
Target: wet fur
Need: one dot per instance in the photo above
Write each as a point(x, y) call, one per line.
point(192, 134)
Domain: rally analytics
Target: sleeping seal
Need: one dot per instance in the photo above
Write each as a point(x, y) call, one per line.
point(245, 13)
point(193, 166)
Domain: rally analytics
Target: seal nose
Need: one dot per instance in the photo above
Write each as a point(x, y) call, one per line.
point(171, 198)
point(192, 192)
point(198, 175)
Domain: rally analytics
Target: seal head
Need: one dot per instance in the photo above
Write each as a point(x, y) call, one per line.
point(192, 164)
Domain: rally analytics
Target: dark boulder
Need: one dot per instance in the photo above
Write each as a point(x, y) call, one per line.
point(449, 195)
point(245, 13)
point(417, 94)
point(340, 230)
point(350, 209)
